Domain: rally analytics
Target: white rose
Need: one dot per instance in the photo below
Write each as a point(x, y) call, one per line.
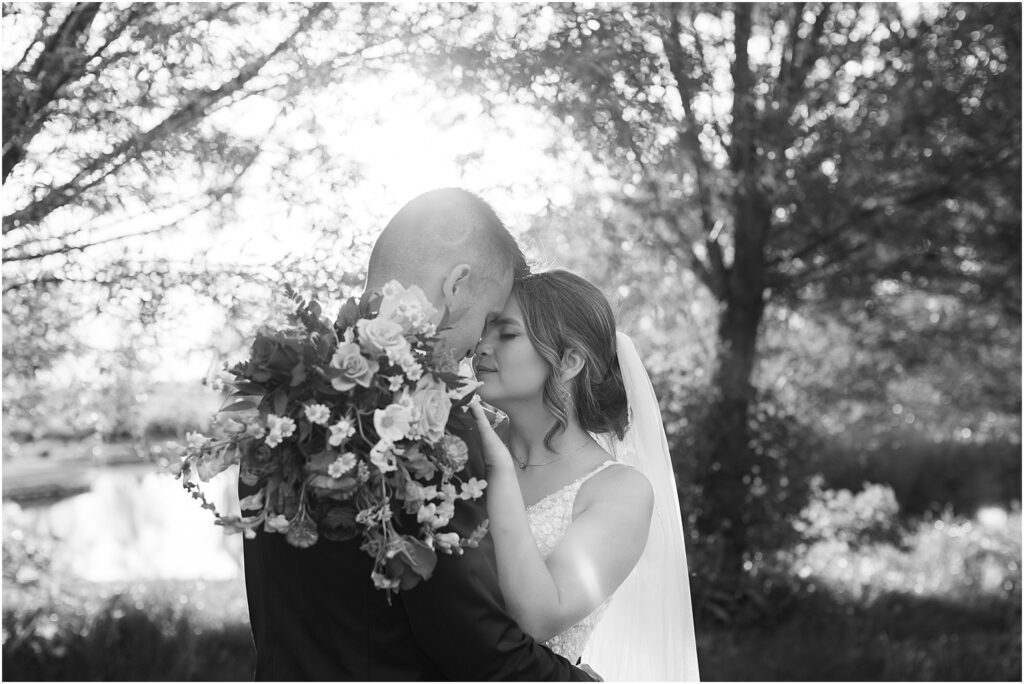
point(355, 368)
point(409, 307)
point(377, 335)
point(432, 408)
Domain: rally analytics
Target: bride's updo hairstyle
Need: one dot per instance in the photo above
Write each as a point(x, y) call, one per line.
point(563, 311)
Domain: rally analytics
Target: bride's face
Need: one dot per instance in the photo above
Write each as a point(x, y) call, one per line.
point(507, 362)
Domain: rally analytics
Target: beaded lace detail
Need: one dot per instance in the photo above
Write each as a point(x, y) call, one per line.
point(549, 519)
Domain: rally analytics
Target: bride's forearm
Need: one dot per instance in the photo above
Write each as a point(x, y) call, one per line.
point(531, 593)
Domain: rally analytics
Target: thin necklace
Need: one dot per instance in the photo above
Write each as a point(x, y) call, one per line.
point(523, 465)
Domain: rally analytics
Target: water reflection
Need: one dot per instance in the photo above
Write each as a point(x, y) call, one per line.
point(138, 525)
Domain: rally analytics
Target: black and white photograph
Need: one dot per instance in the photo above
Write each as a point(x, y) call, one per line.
point(493, 341)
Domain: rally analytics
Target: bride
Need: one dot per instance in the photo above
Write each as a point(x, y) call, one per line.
point(581, 496)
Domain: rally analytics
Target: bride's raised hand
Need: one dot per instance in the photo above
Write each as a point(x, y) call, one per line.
point(496, 454)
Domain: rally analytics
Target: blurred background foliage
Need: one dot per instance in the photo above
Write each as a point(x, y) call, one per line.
point(806, 214)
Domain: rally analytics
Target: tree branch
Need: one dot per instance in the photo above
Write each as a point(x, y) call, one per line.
point(55, 66)
point(689, 134)
point(37, 39)
point(809, 51)
point(65, 249)
point(187, 114)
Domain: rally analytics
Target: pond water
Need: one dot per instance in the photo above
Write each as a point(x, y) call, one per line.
point(137, 524)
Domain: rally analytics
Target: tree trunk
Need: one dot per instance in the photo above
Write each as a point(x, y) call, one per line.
point(742, 299)
point(730, 455)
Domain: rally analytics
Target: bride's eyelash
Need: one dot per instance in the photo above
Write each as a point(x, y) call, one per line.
point(508, 336)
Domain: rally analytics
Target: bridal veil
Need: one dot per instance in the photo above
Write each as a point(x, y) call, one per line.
point(647, 632)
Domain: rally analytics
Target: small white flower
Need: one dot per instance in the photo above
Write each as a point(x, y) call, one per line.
point(413, 371)
point(381, 581)
point(395, 382)
point(254, 429)
point(280, 427)
point(196, 440)
point(426, 513)
point(399, 353)
point(382, 456)
point(276, 523)
point(392, 288)
point(281, 424)
point(318, 414)
point(446, 541)
point(405, 400)
point(445, 512)
point(341, 431)
point(342, 465)
point(448, 493)
point(473, 489)
point(230, 425)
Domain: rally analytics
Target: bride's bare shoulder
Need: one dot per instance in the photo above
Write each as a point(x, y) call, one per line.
point(618, 486)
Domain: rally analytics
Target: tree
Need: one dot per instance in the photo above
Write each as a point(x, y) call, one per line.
point(123, 120)
point(792, 153)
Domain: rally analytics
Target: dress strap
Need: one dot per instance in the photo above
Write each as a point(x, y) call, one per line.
point(595, 471)
point(572, 488)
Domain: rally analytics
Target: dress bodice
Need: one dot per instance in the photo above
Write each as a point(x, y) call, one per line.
point(549, 519)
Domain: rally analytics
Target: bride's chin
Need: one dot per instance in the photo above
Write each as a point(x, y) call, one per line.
point(489, 398)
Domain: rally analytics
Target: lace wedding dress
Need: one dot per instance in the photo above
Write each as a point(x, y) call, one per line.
point(549, 519)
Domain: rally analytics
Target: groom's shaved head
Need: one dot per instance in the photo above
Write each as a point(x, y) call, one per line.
point(439, 229)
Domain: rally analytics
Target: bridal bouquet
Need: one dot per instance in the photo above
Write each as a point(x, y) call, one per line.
point(339, 429)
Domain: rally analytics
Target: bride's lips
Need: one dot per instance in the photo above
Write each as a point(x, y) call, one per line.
point(484, 369)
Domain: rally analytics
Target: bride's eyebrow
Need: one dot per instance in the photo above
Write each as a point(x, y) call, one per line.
point(504, 321)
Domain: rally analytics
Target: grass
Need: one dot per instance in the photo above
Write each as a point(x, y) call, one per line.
point(898, 639)
point(942, 603)
point(163, 631)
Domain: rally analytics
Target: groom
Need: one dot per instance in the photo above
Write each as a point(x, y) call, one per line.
point(315, 613)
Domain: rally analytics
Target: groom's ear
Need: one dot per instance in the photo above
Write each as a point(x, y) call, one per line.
point(454, 283)
point(572, 364)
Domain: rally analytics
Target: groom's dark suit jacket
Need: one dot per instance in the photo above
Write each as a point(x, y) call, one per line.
point(315, 613)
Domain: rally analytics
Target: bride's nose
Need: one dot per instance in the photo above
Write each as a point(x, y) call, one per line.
point(483, 347)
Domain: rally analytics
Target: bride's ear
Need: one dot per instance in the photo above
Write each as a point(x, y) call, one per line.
point(572, 363)
point(454, 283)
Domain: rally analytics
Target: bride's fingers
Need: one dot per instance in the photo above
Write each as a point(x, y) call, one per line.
point(476, 407)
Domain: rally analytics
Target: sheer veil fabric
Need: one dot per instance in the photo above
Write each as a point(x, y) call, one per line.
point(647, 632)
